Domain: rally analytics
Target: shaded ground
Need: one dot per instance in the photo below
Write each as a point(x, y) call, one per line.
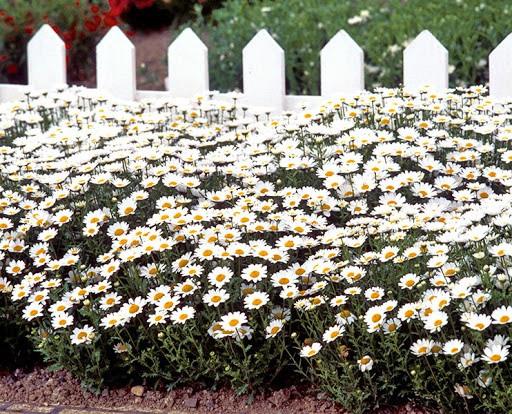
point(59, 392)
point(151, 57)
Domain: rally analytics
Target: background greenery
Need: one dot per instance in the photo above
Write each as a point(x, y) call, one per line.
point(469, 29)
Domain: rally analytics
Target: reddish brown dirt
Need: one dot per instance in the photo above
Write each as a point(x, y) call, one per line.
point(151, 58)
point(41, 387)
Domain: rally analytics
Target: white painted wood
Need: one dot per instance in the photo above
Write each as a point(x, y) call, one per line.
point(263, 72)
point(425, 63)
point(143, 94)
point(13, 92)
point(188, 65)
point(342, 60)
point(46, 59)
point(500, 70)
point(294, 102)
point(291, 102)
point(115, 65)
point(342, 66)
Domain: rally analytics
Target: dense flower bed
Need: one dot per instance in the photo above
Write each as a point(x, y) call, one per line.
point(363, 246)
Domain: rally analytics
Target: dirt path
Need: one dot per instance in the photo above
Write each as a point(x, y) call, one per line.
point(38, 409)
point(41, 391)
point(151, 58)
point(55, 391)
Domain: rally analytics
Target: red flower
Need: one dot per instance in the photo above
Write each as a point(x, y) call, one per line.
point(12, 68)
point(92, 24)
point(3, 58)
point(95, 8)
point(117, 7)
point(29, 30)
point(109, 20)
point(69, 36)
point(143, 4)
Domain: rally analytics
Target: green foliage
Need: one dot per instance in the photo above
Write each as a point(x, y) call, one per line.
point(306, 166)
point(469, 29)
point(15, 348)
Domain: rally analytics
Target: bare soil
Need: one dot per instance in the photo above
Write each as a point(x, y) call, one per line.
point(151, 57)
point(42, 387)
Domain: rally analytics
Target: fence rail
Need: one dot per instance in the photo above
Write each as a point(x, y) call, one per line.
point(425, 62)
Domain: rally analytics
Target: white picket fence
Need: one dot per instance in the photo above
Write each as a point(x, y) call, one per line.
point(425, 62)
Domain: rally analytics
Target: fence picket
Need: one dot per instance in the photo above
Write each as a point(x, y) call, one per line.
point(46, 59)
point(341, 66)
point(115, 65)
point(263, 72)
point(188, 65)
point(500, 69)
point(425, 63)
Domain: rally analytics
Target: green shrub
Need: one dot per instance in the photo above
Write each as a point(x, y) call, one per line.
point(364, 248)
point(469, 29)
point(15, 347)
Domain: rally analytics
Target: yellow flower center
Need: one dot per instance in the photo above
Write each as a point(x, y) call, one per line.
point(133, 308)
point(376, 318)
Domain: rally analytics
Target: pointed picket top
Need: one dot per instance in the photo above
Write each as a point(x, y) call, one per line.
point(46, 59)
point(425, 63)
point(115, 65)
point(188, 65)
point(500, 69)
point(263, 72)
point(342, 66)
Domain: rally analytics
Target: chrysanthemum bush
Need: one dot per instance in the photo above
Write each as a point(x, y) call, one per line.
point(363, 247)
